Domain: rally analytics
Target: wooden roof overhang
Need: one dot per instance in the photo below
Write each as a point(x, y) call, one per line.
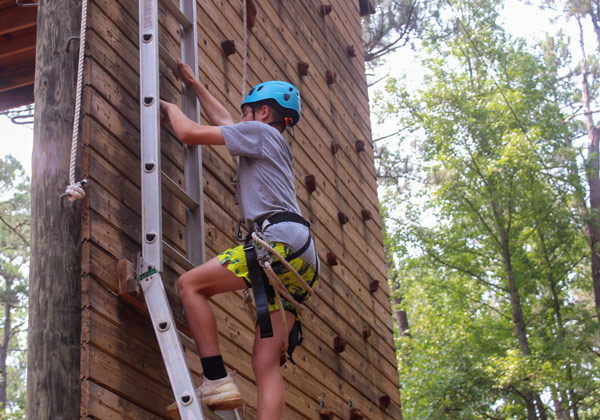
point(18, 22)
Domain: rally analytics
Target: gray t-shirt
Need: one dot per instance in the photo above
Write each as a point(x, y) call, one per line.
point(265, 182)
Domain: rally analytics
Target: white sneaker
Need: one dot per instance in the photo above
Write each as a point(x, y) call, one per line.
point(220, 394)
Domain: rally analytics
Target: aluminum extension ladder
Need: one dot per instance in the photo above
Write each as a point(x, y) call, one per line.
point(150, 264)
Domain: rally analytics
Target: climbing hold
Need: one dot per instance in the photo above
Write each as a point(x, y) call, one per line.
point(350, 51)
point(325, 9)
point(360, 146)
point(366, 7)
point(326, 414)
point(332, 259)
point(339, 344)
point(342, 218)
point(228, 47)
point(384, 401)
point(303, 68)
point(366, 332)
point(335, 146)
point(311, 183)
point(330, 76)
point(374, 286)
point(365, 215)
point(355, 414)
point(250, 14)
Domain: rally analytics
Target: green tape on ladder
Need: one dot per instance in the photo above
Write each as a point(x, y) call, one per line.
point(148, 273)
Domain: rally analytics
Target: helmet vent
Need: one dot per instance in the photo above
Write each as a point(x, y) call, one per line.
point(251, 92)
point(286, 97)
point(259, 88)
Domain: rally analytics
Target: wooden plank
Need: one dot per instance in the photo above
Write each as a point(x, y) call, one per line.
point(232, 330)
point(16, 18)
point(312, 135)
point(16, 42)
point(115, 118)
point(15, 98)
point(104, 229)
point(131, 195)
point(227, 302)
point(17, 70)
point(119, 378)
point(103, 404)
point(99, 403)
point(320, 41)
point(128, 365)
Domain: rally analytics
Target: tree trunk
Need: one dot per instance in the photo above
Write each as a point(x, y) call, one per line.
point(53, 383)
point(401, 316)
point(535, 407)
point(4, 347)
point(562, 398)
point(592, 166)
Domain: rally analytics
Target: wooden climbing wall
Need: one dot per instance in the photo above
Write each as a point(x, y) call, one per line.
point(122, 371)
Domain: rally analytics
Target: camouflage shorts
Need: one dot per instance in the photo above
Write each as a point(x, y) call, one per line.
point(235, 258)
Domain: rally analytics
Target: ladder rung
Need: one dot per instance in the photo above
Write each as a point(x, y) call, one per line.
point(177, 14)
point(168, 58)
point(177, 256)
point(178, 192)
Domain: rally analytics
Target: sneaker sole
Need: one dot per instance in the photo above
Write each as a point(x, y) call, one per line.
point(225, 405)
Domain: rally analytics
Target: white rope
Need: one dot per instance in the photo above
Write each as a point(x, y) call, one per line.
point(265, 245)
point(245, 65)
point(75, 190)
point(279, 289)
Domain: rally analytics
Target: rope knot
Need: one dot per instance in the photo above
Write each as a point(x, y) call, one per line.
point(75, 191)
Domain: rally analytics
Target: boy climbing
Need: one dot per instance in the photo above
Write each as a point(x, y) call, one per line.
point(267, 200)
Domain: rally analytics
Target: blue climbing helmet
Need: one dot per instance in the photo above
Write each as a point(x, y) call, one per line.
point(284, 93)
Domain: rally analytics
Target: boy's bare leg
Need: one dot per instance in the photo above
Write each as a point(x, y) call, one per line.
point(195, 288)
point(265, 362)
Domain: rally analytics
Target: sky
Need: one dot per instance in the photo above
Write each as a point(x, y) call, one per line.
point(16, 140)
point(521, 20)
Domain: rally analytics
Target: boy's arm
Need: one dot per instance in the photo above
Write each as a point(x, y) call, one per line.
point(215, 111)
point(188, 131)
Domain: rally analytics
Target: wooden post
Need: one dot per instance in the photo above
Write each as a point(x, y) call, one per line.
point(53, 374)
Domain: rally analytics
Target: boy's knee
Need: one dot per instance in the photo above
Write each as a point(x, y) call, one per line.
point(181, 284)
point(264, 360)
point(185, 284)
point(259, 363)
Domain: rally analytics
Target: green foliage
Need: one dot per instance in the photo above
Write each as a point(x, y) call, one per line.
point(14, 262)
point(489, 255)
point(394, 24)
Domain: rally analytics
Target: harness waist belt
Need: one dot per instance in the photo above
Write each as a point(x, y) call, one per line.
point(286, 216)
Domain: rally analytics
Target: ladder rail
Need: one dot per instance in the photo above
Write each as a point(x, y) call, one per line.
point(192, 154)
point(151, 263)
point(150, 134)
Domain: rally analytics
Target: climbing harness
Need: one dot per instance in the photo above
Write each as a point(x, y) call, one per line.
point(75, 191)
point(260, 261)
